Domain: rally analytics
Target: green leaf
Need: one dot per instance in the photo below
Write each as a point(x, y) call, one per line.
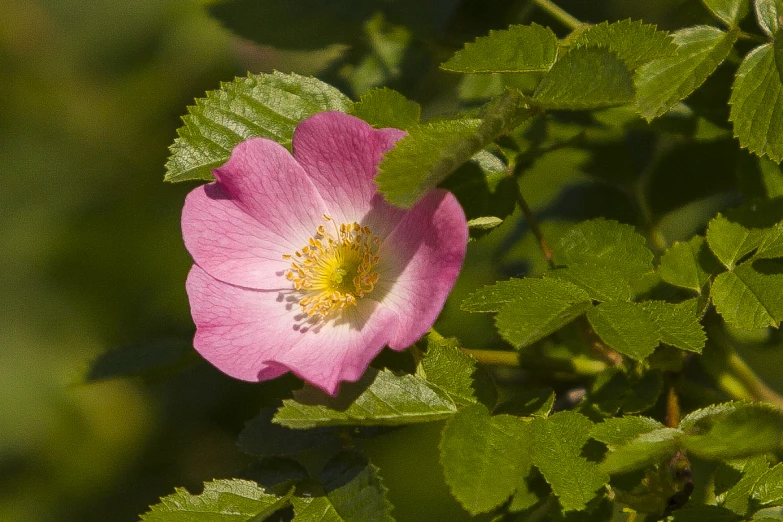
point(749, 298)
point(586, 78)
point(704, 513)
point(432, 151)
point(556, 452)
point(446, 366)
point(387, 108)
point(757, 101)
point(772, 177)
point(614, 390)
point(618, 431)
point(265, 105)
point(529, 309)
point(769, 488)
point(644, 450)
point(737, 497)
point(636, 329)
point(354, 489)
point(605, 246)
point(601, 285)
point(730, 241)
point(730, 11)
point(314, 509)
point(735, 431)
point(688, 265)
point(143, 359)
point(222, 500)
point(262, 438)
point(378, 398)
point(485, 223)
point(483, 457)
point(520, 48)
point(768, 14)
point(635, 43)
point(532, 403)
point(662, 83)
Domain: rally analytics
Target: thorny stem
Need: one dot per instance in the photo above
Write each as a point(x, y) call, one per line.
point(558, 13)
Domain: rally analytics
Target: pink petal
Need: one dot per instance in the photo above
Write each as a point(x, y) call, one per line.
point(262, 206)
point(420, 262)
point(341, 154)
point(255, 335)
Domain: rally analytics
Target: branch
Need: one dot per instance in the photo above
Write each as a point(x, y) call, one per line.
point(559, 14)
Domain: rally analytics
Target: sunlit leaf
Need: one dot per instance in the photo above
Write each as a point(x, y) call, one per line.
point(688, 265)
point(634, 42)
point(749, 298)
point(618, 431)
point(386, 108)
point(730, 11)
point(446, 366)
point(645, 449)
point(768, 15)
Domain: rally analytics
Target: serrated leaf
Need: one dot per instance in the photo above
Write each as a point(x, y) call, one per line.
point(730, 11)
point(605, 245)
point(768, 14)
point(748, 298)
point(636, 329)
point(757, 101)
point(432, 151)
point(533, 403)
point(485, 223)
point(586, 78)
point(483, 457)
point(635, 43)
point(688, 265)
point(520, 48)
point(556, 452)
point(222, 500)
point(354, 489)
point(738, 495)
point(614, 390)
point(314, 509)
point(262, 438)
point(377, 399)
point(769, 487)
point(646, 449)
point(662, 83)
point(618, 431)
point(260, 105)
point(730, 241)
point(601, 285)
point(530, 309)
point(446, 366)
point(387, 108)
point(736, 431)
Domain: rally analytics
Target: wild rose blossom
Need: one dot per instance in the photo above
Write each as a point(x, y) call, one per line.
point(301, 266)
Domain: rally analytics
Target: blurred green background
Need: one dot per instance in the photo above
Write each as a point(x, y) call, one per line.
point(92, 259)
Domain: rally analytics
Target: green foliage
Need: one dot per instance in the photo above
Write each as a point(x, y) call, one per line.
point(558, 443)
point(619, 431)
point(648, 448)
point(688, 265)
point(635, 43)
point(262, 438)
point(660, 84)
point(432, 151)
point(448, 368)
point(529, 309)
point(484, 457)
point(260, 105)
point(586, 78)
point(768, 15)
point(636, 329)
point(730, 241)
point(748, 298)
point(520, 48)
point(757, 102)
point(227, 500)
point(729, 11)
point(387, 108)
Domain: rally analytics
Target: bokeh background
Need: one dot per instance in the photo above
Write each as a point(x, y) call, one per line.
point(91, 257)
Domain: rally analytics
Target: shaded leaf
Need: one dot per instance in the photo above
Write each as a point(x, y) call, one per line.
point(432, 151)
point(688, 265)
point(229, 500)
point(260, 105)
point(586, 78)
point(263, 438)
point(644, 450)
point(704, 513)
point(769, 487)
point(749, 298)
point(634, 42)
point(757, 101)
point(636, 329)
point(143, 359)
point(354, 489)
point(483, 457)
point(730, 11)
point(615, 390)
point(386, 108)
point(662, 83)
point(556, 452)
point(520, 48)
point(737, 497)
point(730, 241)
point(533, 403)
point(618, 431)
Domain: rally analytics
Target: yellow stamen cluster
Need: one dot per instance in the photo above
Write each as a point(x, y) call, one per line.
point(334, 270)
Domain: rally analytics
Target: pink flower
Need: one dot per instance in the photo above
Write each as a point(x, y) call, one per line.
point(301, 266)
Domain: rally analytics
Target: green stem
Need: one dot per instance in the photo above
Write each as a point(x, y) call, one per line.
point(533, 223)
point(494, 357)
point(557, 12)
point(755, 387)
point(742, 35)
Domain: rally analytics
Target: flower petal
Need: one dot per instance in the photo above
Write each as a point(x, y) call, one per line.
point(341, 154)
point(262, 206)
point(255, 335)
point(420, 262)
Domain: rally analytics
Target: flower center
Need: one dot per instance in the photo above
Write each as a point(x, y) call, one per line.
point(334, 270)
